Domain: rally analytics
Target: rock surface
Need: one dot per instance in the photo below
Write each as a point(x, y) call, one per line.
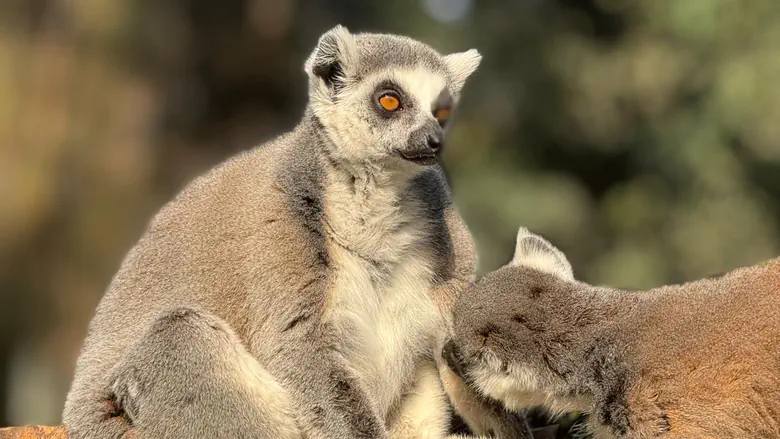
point(33, 432)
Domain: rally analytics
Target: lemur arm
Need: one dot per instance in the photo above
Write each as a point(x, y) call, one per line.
point(460, 263)
point(425, 410)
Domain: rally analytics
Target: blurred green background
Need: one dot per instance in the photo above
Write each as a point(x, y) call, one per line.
point(642, 137)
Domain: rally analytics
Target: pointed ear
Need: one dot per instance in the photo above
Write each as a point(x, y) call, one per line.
point(334, 56)
point(461, 65)
point(533, 251)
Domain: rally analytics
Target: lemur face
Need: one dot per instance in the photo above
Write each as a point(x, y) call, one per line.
point(385, 99)
point(515, 327)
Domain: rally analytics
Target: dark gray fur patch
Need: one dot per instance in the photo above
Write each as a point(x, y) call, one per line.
point(431, 187)
point(664, 424)
point(609, 380)
point(327, 62)
point(302, 180)
point(296, 321)
point(444, 100)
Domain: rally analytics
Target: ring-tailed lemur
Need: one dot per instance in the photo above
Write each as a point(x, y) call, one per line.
point(695, 360)
point(302, 288)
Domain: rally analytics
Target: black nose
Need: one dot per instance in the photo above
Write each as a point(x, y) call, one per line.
point(454, 358)
point(434, 142)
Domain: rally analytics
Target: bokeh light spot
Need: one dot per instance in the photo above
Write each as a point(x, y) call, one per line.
point(448, 11)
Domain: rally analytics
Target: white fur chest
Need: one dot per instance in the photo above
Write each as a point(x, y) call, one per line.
point(385, 325)
point(379, 302)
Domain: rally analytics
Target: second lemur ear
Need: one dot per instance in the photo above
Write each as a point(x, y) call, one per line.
point(461, 65)
point(332, 59)
point(533, 251)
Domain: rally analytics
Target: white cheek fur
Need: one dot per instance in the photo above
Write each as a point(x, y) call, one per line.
point(520, 387)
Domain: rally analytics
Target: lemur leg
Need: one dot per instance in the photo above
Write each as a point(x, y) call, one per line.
point(484, 418)
point(424, 411)
point(190, 376)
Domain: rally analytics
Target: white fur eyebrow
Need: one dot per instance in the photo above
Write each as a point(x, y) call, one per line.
point(422, 84)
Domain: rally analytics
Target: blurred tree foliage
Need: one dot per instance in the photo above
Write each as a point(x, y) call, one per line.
point(641, 137)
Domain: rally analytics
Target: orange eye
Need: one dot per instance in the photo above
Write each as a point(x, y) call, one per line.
point(389, 102)
point(442, 114)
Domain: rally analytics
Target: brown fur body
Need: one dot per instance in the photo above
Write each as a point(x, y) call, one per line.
point(706, 356)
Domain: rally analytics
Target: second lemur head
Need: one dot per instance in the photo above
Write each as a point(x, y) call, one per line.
point(384, 99)
point(516, 331)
